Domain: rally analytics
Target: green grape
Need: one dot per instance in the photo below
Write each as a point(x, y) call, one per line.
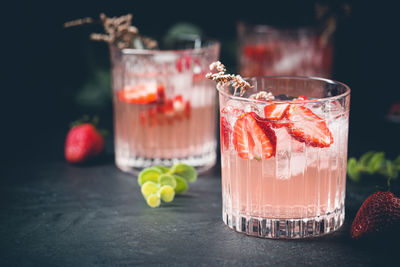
point(162, 169)
point(167, 193)
point(149, 174)
point(153, 200)
point(167, 179)
point(185, 171)
point(149, 188)
point(181, 185)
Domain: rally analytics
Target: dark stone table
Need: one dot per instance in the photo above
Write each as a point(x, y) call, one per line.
point(61, 215)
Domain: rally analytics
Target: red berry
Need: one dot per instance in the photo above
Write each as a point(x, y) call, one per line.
point(183, 63)
point(188, 109)
point(379, 212)
point(226, 130)
point(83, 142)
point(161, 94)
point(301, 98)
point(307, 127)
point(275, 111)
point(253, 137)
point(141, 94)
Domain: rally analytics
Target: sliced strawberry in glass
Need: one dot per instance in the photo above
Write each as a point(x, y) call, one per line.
point(305, 126)
point(183, 63)
point(275, 111)
point(253, 138)
point(139, 94)
point(225, 129)
point(188, 109)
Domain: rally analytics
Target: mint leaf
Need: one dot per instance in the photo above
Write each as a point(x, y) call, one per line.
point(353, 169)
point(375, 162)
point(366, 158)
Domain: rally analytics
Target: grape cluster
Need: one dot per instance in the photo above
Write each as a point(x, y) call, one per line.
point(162, 183)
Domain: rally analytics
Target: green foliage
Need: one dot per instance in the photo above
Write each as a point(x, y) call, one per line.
point(372, 163)
point(96, 92)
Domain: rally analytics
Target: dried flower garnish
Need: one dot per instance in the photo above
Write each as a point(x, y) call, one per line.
point(330, 13)
point(119, 32)
point(221, 78)
point(263, 95)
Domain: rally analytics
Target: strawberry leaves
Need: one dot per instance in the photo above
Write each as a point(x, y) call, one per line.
point(372, 163)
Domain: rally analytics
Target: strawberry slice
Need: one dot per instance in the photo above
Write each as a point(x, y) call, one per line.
point(275, 111)
point(183, 63)
point(225, 133)
point(188, 109)
point(253, 138)
point(301, 98)
point(139, 94)
point(307, 127)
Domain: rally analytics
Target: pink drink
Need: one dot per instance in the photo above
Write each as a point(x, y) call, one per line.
point(177, 133)
point(164, 107)
point(299, 191)
point(264, 50)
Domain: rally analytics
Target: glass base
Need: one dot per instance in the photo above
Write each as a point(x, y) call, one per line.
point(202, 163)
point(285, 228)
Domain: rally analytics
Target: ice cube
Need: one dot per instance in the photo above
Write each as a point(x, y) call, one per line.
point(257, 108)
point(232, 110)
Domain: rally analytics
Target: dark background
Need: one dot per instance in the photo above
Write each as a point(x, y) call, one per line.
point(60, 214)
point(47, 65)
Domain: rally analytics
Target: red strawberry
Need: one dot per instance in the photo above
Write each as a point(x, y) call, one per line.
point(378, 213)
point(183, 63)
point(188, 109)
point(161, 94)
point(275, 111)
point(140, 94)
point(253, 138)
point(307, 127)
point(260, 52)
point(301, 98)
point(225, 129)
point(83, 142)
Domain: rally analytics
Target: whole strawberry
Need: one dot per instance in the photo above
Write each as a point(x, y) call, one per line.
point(379, 213)
point(83, 142)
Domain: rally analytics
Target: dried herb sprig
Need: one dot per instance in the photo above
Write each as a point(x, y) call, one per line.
point(221, 78)
point(263, 95)
point(119, 31)
point(330, 14)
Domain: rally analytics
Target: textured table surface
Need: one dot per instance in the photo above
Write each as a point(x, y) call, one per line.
point(62, 215)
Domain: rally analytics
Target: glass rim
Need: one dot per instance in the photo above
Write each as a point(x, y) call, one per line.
point(319, 100)
point(210, 43)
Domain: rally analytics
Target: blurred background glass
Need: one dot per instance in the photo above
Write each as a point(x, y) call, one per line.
point(54, 75)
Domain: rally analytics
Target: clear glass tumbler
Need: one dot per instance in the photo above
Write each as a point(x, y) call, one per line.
point(164, 107)
point(283, 161)
point(265, 50)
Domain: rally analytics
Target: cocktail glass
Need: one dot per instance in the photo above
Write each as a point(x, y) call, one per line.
point(266, 50)
point(164, 107)
point(284, 161)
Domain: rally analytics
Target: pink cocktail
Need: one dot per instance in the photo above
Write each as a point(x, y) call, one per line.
point(266, 50)
point(164, 107)
point(283, 161)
